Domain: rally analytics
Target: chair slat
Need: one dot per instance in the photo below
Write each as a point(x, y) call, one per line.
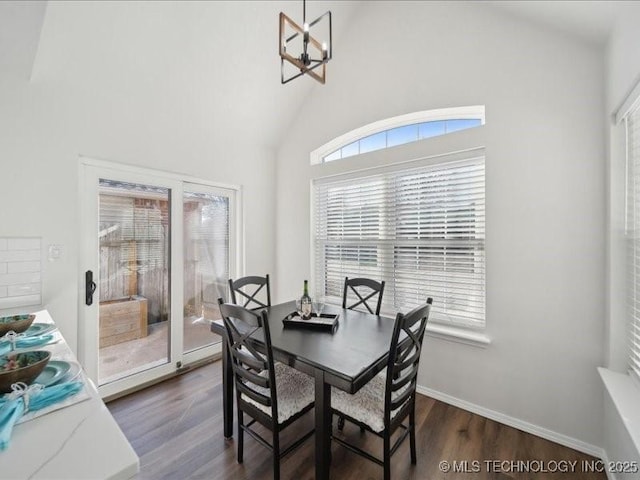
point(404, 379)
point(399, 367)
point(253, 378)
point(258, 397)
point(400, 400)
point(249, 360)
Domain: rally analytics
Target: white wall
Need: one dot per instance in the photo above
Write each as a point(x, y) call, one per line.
point(545, 195)
point(46, 124)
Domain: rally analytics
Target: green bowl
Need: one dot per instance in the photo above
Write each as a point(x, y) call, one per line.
point(21, 367)
point(17, 323)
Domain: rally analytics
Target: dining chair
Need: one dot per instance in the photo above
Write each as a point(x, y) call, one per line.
point(384, 403)
point(271, 393)
point(246, 289)
point(372, 288)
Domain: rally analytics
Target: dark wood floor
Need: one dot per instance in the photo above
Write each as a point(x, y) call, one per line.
point(176, 429)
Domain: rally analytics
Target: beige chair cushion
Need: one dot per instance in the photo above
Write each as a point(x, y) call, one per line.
point(367, 404)
point(295, 391)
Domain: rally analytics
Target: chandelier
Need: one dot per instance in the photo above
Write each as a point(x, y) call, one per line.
point(300, 51)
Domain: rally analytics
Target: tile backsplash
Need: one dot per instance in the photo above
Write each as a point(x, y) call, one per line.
point(20, 271)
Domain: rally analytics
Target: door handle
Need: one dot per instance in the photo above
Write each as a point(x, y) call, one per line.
point(89, 287)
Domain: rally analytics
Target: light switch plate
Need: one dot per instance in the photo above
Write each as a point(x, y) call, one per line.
point(55, 252)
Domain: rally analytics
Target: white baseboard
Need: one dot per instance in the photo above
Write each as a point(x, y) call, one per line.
point(605, 459)
point(545, 433)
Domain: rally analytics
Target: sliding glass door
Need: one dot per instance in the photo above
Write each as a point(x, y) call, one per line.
point(160, 251)
point(207, 262)
point(135, 267)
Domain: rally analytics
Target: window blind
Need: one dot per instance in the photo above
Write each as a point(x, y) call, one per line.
point(633, 237)
point(421, 230)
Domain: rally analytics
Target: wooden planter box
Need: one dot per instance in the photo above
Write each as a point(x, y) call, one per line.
point(122, 319)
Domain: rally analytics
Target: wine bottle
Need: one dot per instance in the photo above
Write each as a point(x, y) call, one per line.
point(305, 302)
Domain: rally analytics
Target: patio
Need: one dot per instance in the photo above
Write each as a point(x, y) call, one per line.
point(133, 356)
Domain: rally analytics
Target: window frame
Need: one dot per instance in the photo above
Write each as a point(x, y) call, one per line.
point(623, 322)
point(424, 151)
point(455, 113)
point(631, 121)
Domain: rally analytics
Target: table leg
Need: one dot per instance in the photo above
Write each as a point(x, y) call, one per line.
point(323, 427)
point(227, 390)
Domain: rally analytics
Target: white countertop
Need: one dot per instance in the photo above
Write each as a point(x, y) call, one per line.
point(78, 442)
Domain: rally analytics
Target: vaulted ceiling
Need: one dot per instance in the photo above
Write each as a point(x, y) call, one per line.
point(218, 59)
point(589, 21)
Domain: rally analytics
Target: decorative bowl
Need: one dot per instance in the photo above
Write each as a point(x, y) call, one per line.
point(17, 323)
point(21, 367)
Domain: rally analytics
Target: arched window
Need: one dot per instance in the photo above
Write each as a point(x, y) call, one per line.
point(399, 130)
point(419, 225)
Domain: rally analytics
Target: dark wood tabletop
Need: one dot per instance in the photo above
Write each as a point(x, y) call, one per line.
point(350, 356)
point(346, 358)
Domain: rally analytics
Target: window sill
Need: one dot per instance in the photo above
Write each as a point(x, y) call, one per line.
point(458, 335)
point(626, 398)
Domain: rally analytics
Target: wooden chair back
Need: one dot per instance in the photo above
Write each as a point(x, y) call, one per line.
point(372, 288)
point(246, 289)
point(250, 365)
point(404, 359)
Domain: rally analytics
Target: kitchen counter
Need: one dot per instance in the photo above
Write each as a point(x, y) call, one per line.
point(79, 442)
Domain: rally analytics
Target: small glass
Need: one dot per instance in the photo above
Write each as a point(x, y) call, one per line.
point(299, 309)
point(317, 308)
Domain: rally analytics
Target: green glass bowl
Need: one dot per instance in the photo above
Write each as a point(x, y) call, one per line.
point(17, 323)
point(21, 367)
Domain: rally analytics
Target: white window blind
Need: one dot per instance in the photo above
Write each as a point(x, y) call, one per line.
point(633, 237)
point(421, 230)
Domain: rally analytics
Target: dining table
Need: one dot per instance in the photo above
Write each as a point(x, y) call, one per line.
point(346, 357)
